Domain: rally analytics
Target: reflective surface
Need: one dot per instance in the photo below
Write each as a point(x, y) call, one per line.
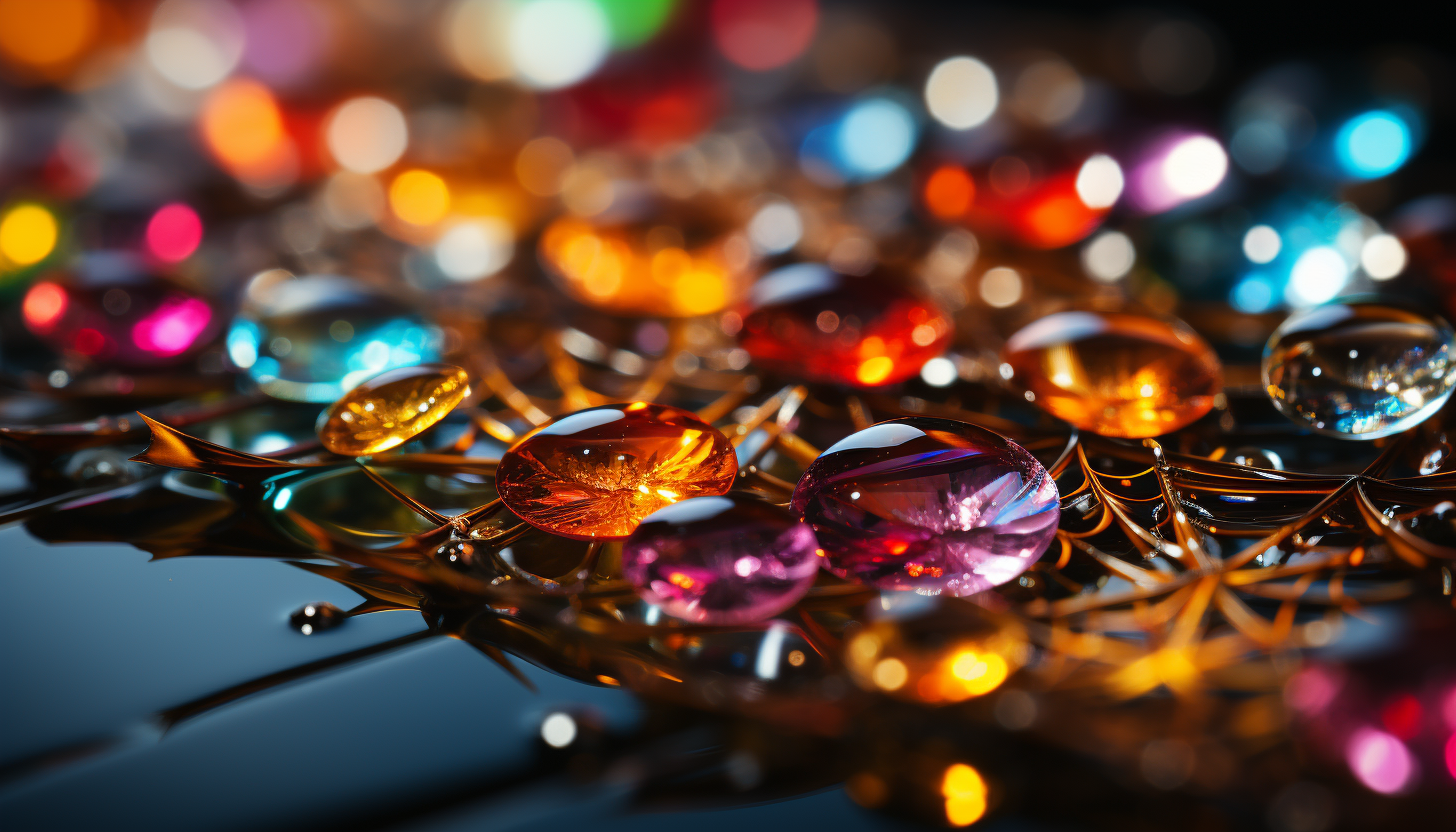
point(1115, 374)
point(1360, 370)
point(598, 472)
point(811, 323)
point(392, 408)
point(313, 338)
point(932, 505)
point(721, 560)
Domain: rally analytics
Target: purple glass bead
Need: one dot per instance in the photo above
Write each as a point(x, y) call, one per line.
point(721, 560)
point(932, 505)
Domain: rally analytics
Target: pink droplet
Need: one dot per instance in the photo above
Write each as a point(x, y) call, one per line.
point(174, 232)
point(173, 327)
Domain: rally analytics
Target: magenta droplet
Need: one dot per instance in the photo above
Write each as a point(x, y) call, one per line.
point(721, 560)
point(932, 505)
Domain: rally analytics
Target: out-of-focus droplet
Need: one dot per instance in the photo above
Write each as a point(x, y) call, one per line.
point(1116, 374)
point(313, 338)
point(1360, 370)
point(597, 472)
point(112, 311)
point(721, 560)
point(393, 407)
point(315, 618)
point(933, 505)
point(810, 322)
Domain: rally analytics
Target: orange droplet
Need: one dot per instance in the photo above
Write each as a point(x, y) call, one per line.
point(393, 407)
point(597, 472)
point(1115, 374)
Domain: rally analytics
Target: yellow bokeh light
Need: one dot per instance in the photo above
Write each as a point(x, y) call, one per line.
point(419, 197)
point(874, 370)
point(27, 234)
point(890, 674)
point(964, 791)
point(242, 125)
point(42, 34)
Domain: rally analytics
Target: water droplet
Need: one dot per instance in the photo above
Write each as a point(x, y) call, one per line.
point(315, 618)
point(1401, 374)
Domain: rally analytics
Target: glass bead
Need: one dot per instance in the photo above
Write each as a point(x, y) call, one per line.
point(393, 407)
point(721, 560)
point(1115, 374)
point(112, 311)
point(313, 338)
point(1359, 370)
point(812, 323)
point(928, 504)
point(597, 472)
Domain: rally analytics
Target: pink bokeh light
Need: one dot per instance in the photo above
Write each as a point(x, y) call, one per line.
point(174, 232)
point(1380, 761)
point(173, 327)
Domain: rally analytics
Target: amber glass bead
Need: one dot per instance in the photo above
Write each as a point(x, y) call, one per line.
point(1114, 374)
point(809, 322)
point(653, 272)
point(597, 472)
point(392, 408)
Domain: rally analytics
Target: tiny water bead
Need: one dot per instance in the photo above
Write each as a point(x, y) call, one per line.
point(313, 338)
point(393, 407)
point(812, 323)
point(315, 618)
point(721, 560)
point(597, 472)
point(1115, 374)
point(112, 311)
point(1360, 370)
point(929, 504)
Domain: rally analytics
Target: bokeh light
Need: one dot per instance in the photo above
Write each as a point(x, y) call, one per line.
point(28, 234)
point(556, 43)
point(1195, 166)
point(1109, 256)
point(1380, 761)
point(1262, 244)
point(1318, 275)
point(419, 197)
point(367, 134)
point(775, 228)
point(1373, 144)
point(46, 34)
point(1383, 256)
point(964, 791)
point(173, 233)
point(961, 93)
point(760, 35)
point(243, 128)
point(949, 192)
point(873, 138)
point(1048, 93)
point(474, 248)
point(195, 43)
point(1100, 181)
point(634, 22)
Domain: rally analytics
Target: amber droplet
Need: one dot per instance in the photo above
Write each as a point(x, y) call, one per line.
point(810, 322)
point(597, 472)
point(1113, 374)
point(392, 408)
